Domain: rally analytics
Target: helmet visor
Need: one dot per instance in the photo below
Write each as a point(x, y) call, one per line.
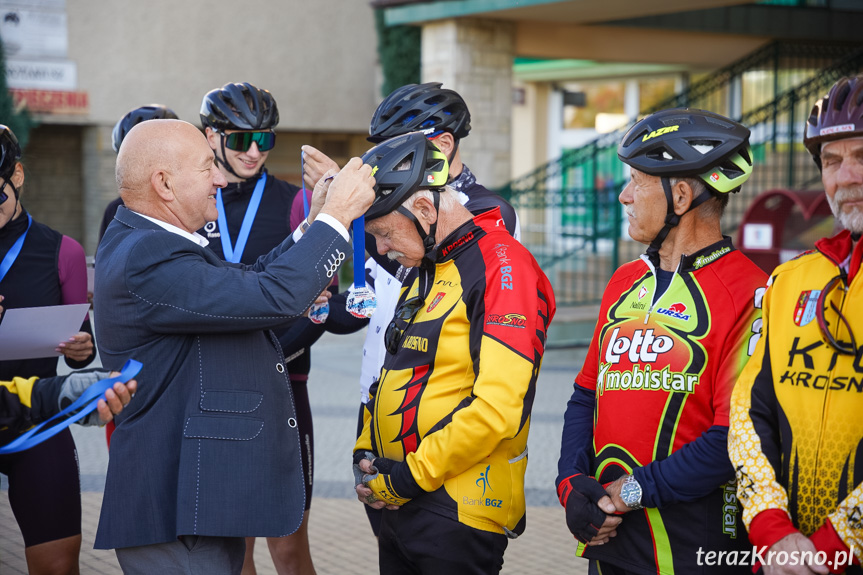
point(242, 141)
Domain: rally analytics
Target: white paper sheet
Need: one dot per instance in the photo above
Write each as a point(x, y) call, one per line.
point(36, 331)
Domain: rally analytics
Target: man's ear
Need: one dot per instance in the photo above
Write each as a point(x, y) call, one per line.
point(445, 143)
point(213, 137)
point(424, 209)
point(17, 178)
point(682, 195)
point(161, 183)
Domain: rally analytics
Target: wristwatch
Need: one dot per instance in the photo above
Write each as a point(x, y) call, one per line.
point(304, 226)
point(630, 492)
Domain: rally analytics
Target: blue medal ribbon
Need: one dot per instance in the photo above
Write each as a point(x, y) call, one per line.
point(235, 253)
point(88, 402)
point(359, 227)
point(13, 252)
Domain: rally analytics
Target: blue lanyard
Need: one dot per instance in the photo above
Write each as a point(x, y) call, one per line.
point(88, 401)
point(13, 252)
point(359, 227)
point(235, 254)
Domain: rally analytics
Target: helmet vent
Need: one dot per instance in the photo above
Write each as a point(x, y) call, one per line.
point(660, 154)
point(406, 164)
point(730, 170)
point(704, 146)
point(718, 122)
point(841, 96)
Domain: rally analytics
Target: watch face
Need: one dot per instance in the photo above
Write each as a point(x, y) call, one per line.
point(630, 492)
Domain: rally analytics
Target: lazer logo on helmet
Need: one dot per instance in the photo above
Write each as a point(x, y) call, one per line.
point(675, 310)
point(659, 132)
point(642, 347)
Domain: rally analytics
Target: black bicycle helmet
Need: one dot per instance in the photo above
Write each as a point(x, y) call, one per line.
point(135, 117)
point(423, 108)
point(239, 107)
point(837, 115)
point(688, 143)
point(402, 166)
point(10, 153)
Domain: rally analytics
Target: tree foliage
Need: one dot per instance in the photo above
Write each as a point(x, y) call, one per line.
point(399, 50)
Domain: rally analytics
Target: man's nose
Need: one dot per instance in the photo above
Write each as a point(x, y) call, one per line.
point(219, 179)
point(625, 197)
point(253, 151)
point(382, 247)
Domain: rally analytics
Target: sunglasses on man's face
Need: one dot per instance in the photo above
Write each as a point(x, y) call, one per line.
point(3, 195)
point(405, 313)
point(242, 141)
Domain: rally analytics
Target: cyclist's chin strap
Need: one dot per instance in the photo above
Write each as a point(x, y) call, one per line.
point(223, 161)
point(427, 238)
point(450, 177)
point(671, 218)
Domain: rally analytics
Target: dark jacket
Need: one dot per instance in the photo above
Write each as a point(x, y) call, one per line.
point(209, 444)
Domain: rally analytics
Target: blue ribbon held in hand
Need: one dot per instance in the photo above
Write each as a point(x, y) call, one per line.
point(82, 407)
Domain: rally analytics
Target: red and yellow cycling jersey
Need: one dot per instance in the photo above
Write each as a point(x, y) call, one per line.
point(796, 435)
point(454, 402)
point(661, 368)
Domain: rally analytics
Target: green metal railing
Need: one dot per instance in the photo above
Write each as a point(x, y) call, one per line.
point(570, 217)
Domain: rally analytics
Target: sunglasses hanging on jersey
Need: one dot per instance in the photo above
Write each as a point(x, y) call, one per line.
point(242, 141)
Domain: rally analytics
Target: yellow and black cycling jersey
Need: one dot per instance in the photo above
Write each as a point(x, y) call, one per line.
point(24, 403)
point(796, 431)
point(454, 401)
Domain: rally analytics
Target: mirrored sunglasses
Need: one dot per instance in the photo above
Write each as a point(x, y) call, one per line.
point(242, 141)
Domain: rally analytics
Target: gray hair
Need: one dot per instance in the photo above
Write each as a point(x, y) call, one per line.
point(448, 198)
point(712, 208)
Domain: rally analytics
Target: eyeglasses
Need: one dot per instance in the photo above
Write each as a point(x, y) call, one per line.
point(3, 195)
point(242, 141)
point(405, 313)
point(843, 347)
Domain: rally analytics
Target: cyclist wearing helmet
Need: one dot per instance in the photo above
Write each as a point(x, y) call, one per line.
point(121, 128)
point(796, 434)
point(445, 429)
point(41, 267)
point(443, 117)
point(256, 208)
point(644, 474)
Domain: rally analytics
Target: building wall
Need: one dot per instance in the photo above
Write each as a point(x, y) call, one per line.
point(319, 60)
point(474, 58)
point(52, 191)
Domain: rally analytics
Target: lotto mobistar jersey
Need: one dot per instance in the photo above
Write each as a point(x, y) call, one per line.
point(796, 435)
point(662, 370)
point(454, 401)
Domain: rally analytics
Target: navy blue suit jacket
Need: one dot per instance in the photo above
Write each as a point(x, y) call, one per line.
point(209, 444)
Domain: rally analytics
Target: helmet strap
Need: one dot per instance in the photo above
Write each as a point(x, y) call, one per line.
point(428, 238)
point(450, 177)
point(671, 218)
point(224, 159)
